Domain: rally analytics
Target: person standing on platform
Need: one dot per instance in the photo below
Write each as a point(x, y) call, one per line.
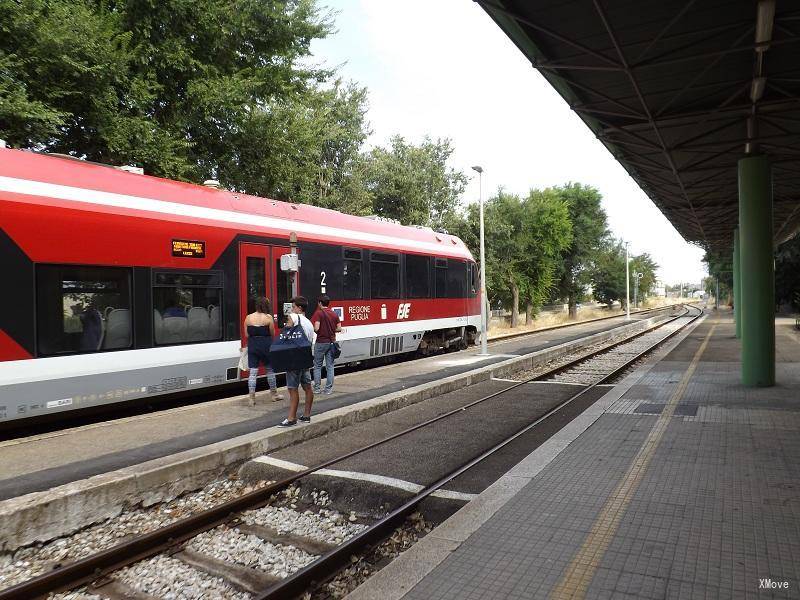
point(260, 329)
point(327, 325)
point(301, 378)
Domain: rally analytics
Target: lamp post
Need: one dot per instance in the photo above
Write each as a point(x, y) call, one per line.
point(627, 285)
point(636, 278)
point(484, 317)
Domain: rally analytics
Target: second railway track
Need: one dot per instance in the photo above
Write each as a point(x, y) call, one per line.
point(224, 547)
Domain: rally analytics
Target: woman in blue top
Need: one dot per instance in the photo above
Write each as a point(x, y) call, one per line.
point(260, 328)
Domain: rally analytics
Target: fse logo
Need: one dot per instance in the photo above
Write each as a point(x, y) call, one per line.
point(404, 310)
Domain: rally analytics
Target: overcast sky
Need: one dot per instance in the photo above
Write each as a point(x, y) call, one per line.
point(443, 68)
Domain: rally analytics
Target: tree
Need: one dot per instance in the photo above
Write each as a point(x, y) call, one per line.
point(645, 265)
point(589, 228)
point(413, 184)
point(313, 156)
point(524, 241)
point(710, 288)
point(721, 267)
point(173, 86)
point(609, 273)
point(548, 231)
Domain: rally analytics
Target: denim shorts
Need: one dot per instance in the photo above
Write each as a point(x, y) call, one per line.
point(294, 379)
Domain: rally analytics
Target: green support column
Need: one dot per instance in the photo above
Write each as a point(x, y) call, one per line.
point(756, 270)
point(737, 284)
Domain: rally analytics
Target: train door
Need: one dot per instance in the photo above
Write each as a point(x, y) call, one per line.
point(260, 274)
point(254, 279)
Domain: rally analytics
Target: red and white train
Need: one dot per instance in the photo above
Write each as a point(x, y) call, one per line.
point(120, 286)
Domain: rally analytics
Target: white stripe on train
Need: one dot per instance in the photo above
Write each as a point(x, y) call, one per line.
point(75, 194)
point(79, 365)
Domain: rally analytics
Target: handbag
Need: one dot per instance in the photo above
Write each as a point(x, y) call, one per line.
point(243, 366)
point(336, 349)
point(291, 350)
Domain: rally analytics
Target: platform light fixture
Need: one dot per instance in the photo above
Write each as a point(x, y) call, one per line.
point(757, 88)
point(484, 315)
point(765, 16)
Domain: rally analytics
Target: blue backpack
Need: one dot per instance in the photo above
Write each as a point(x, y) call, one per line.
point(291, 350)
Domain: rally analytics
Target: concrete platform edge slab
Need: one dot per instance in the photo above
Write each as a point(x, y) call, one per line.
point(395, 580)
point(45, 515)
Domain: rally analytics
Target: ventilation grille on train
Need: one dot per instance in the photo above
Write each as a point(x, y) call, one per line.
point(387, 345)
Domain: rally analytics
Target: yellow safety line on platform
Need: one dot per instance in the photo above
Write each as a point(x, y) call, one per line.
point(579, 573)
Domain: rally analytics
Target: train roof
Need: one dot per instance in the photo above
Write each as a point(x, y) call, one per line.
point(42, 179)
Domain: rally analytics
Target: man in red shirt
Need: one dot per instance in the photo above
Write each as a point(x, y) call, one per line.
point(326, 324)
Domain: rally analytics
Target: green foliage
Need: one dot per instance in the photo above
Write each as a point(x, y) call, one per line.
point(609, 272)
point(413, 184)
point(176, 86)
point(720, 266)
point(524, 241)
point(313, 154)
point(710, 288)
point(645, 265)
point(61, 66)
point(548, 232)
point(589, 228)
point(787, 274)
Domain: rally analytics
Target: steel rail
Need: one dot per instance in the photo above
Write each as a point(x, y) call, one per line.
point(97, 566)
point(323, 567)
point(512, 336)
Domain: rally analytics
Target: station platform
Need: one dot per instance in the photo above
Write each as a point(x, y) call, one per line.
point(41, 462)
point(678, 483)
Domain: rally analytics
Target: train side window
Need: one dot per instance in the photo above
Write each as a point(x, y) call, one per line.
point(351, 274)
point(187, 307)
point(473, 280)
point(440, 278)
point(82, 309)
point(384, 275)
point(456, 278)
point(417, 276)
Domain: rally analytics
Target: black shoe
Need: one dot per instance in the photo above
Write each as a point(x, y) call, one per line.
point(287, 423)
point(304, 419)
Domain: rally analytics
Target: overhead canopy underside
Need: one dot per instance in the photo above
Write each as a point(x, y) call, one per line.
point(678, 91)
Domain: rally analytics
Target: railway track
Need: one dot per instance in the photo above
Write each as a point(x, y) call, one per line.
point(636, 313)
point(14, 430)
point(243, 549)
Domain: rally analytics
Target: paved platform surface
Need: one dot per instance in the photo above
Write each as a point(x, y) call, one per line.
point(687, 485)
point(42, 462)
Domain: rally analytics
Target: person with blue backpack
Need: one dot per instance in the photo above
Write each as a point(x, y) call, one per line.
point(293, 348)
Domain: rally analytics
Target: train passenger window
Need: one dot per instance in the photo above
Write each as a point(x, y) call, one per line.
point(385, 275)
point(256, 278)
point(417, 276)
point(187, 307)
point(440, 279)
point(351, 275)
point(473, 280)
point(456, 279)
point(82, 309)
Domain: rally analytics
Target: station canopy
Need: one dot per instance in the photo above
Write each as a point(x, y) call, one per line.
point(678, 91)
